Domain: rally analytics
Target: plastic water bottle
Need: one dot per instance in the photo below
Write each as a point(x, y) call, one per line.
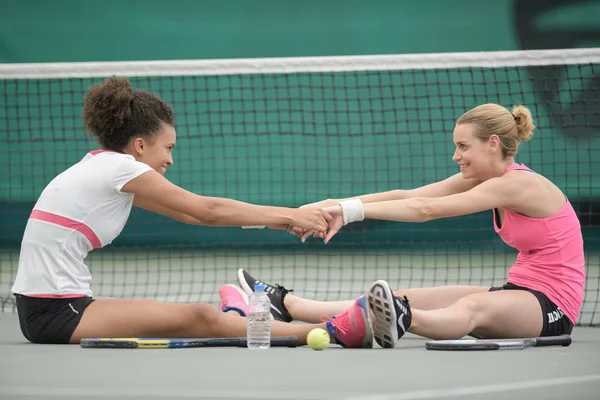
point(259, 319)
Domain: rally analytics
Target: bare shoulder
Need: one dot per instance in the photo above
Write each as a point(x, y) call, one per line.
point(536, 196)
point(509, 188)
point(528, 180)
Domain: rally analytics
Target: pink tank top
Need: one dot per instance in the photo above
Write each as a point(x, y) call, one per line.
point(550, 258)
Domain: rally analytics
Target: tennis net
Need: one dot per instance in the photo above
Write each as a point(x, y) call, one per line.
point(293, 131)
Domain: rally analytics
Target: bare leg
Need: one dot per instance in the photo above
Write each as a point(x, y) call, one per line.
point(146, 318)
point(431, 298)
point(502, 314)
point(420, 298)
point(311, 311)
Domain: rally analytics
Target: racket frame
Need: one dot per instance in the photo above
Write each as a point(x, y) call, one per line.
point(498, 344)
point(172, 343)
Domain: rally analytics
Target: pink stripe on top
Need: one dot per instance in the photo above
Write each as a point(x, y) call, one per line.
point(68, 223)
point(551, 258)
point(56, 296)
point(94, 152)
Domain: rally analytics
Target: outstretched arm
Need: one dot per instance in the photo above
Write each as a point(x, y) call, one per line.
point(505, 192)
point(148, 205)
point(160, 195)
point(449, 186)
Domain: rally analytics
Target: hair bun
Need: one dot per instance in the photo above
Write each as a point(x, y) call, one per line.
point(524, 122)
point(107, 106)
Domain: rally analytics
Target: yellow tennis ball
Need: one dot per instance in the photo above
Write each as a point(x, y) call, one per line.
point(318, 339)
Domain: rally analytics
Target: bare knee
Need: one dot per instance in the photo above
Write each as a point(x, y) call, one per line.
point(470, 305)
point(473, 311)
point(203, 313)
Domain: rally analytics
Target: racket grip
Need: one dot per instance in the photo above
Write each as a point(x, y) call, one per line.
point(282, 341)
point(563, 340)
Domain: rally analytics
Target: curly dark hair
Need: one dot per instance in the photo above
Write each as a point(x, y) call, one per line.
point(114, 113)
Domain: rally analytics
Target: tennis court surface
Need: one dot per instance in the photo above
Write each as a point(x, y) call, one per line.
point(407, 372)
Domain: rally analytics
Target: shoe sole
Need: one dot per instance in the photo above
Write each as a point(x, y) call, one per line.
point(243, 283)
point(381, 303)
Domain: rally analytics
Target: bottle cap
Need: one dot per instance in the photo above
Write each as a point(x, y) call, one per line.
point(259, 287)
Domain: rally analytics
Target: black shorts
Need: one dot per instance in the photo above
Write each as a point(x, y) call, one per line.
point(556, 323)
point(50, 321)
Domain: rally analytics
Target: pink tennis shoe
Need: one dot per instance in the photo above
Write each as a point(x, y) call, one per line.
point(234, 298)
point(354, 327)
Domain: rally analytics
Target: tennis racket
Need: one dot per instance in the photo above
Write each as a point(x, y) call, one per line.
point(165, 343)
point(498, 344)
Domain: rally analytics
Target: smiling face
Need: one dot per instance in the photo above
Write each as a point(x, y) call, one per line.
point(156, 151)
point(487, 139)
point(476, 158)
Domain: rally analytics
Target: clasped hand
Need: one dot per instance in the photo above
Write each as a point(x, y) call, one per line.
point(333, 210)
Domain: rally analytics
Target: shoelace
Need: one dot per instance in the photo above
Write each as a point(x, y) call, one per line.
point(284, 290)
point(342, 319)
point(277, 286)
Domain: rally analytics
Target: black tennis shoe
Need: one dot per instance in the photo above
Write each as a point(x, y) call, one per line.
point(275, 292)
point(392, 314)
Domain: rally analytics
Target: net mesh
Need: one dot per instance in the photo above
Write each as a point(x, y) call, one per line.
point(289, 135)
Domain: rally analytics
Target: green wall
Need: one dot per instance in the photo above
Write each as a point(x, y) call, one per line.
point(112, 30)
point(75, 30)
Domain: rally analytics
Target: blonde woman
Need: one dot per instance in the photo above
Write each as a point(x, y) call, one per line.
point(544, 290)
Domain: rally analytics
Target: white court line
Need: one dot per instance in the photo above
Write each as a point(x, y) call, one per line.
point(153, 392)
point(483, 389)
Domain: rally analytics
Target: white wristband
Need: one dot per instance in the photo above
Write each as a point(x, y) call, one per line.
point(254, 227)
point(352, 211)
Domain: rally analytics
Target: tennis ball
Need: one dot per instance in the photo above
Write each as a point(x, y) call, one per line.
point(318, 339)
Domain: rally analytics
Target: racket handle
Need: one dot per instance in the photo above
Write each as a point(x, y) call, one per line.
point(281, 341)
point(563, 340)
